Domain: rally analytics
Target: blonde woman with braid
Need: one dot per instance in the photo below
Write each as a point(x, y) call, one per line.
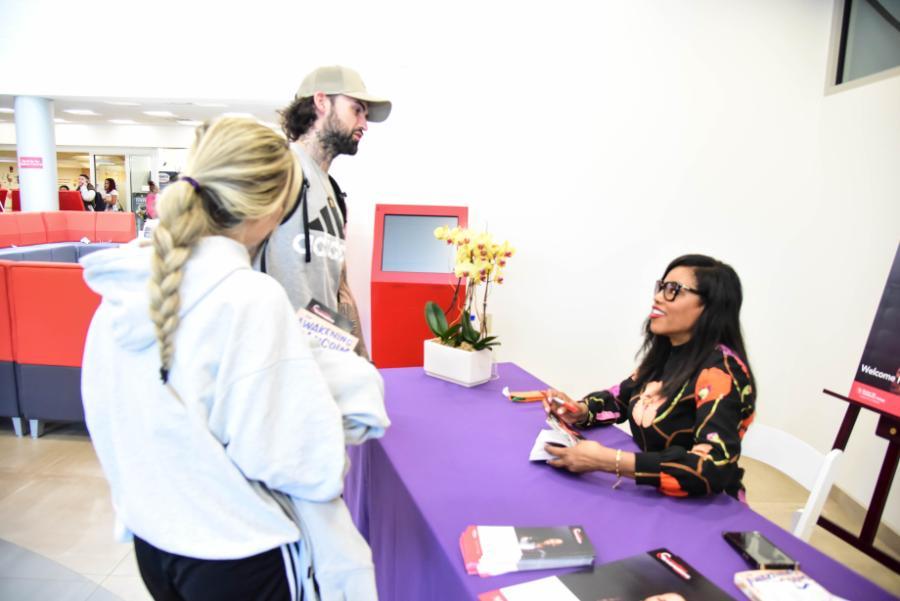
point(220, 427)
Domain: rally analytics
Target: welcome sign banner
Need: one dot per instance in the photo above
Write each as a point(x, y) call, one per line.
point(877, 382)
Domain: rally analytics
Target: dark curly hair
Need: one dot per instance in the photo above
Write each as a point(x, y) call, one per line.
point(298, 117)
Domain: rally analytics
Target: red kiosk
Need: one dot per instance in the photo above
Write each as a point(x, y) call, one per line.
point(409, 268)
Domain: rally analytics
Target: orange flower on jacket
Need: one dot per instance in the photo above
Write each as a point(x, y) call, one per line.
point(702, 449)
point(712, 384)
point(742, 429)
point(668, 485)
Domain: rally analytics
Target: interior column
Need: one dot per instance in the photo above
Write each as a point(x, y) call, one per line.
point(36, 150)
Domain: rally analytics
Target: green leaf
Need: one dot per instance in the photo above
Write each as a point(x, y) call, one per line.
point(470, 334)
point(458, 336)
point(486, 342)
point(447, 338)
point(435, 319)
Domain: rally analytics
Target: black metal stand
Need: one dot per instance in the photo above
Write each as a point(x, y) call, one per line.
point(888, 428)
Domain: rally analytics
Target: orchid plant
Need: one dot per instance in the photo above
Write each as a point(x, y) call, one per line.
point(479, 261)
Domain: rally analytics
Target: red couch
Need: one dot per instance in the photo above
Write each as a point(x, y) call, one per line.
point(46, 308)
point(9, 398)
point(69, 200)
point(50, 309)
point(23, 229)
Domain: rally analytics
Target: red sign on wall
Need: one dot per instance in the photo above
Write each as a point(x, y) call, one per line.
point(31, 162)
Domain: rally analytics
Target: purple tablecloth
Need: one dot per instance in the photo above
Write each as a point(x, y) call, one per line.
point(457, 456)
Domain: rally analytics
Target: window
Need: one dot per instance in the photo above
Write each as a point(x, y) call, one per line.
point(869, 38)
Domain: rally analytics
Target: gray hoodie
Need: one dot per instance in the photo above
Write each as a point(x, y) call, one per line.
point(255, 447)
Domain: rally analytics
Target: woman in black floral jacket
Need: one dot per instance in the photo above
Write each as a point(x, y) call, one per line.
point(691, 398)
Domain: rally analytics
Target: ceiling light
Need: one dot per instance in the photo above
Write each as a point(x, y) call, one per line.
point(248, 115)
point(60, 120)
point(159, 113)
point(81, 112)
point(6, 110)
point(211, 105)
point(122, 103)
point(190, 122)
point(123, 121)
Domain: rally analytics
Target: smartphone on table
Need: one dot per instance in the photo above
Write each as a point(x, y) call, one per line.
point(759, 551)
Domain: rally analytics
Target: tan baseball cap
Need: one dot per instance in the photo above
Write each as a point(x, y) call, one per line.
point(343, 80)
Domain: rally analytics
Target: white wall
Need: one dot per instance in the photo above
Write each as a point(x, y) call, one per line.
point(602, 142)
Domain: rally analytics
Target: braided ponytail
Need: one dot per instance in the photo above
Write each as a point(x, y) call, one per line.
point(181, 225)
point(239, 170)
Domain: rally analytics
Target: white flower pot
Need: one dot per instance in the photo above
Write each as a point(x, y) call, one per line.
point(466, 368)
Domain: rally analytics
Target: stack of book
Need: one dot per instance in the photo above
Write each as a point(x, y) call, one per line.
point(492, 550)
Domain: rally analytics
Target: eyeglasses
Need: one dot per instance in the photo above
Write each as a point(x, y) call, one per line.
point(671, 290)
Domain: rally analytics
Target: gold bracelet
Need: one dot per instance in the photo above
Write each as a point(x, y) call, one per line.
point(618, 472)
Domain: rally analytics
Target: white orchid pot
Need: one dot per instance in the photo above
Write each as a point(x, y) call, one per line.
point(466, 368)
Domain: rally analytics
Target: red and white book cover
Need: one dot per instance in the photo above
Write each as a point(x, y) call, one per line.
point(492, 550)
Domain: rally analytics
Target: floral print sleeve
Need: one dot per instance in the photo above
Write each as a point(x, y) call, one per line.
point(609, 406)
point(692, 447)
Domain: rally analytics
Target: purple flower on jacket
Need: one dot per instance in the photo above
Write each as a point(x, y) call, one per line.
point(607, 415)
point(730, 353)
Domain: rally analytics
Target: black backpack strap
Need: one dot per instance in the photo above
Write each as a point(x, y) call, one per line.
point(301, 200)
point(341, 198)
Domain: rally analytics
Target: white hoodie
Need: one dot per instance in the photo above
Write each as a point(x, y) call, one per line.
point(256, 408)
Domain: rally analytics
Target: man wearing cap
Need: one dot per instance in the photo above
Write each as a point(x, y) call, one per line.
point(328, 117)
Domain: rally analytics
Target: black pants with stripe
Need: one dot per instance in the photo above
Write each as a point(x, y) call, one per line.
point(171, 577)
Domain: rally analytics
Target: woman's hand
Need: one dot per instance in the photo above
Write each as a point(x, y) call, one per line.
point(586, 456)
point(560, 404)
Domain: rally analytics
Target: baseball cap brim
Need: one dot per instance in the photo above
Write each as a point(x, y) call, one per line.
point(379, 108)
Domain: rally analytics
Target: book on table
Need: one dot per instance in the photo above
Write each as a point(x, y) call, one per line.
point(492, 550)
point(781, 585)
point(657, 575)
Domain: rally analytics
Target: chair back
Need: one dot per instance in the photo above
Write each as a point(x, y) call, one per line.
point(70, 201)
point(798, 460)
point(785, 452)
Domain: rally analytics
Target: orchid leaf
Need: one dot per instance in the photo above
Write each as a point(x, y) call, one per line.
point(434, 317)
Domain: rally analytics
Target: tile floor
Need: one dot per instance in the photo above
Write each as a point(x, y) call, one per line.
point(56, 522)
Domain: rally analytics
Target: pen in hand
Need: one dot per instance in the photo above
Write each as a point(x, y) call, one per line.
point(564, 405)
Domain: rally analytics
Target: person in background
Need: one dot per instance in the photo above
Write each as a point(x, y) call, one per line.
point(110, 196)
point(64, 188)
point(151, 199)
point(89, 196)
point(221, 430)
point(328, 117)
point(690, 400)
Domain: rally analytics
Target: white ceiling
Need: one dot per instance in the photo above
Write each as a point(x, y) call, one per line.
point(134, 109)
